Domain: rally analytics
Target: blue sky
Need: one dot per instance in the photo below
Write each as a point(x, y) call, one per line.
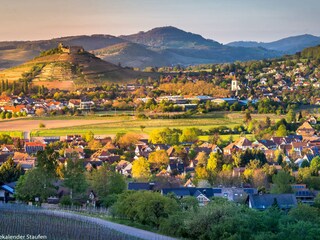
point(221, 20)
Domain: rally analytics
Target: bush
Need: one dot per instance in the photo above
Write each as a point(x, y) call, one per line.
point(145, 207)
point(65, 201)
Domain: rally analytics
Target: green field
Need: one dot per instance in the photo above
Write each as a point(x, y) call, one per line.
point(117, 124)
point(13, 133)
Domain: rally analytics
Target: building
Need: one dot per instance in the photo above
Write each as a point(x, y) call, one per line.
point(306, 130)
point(74, 103)
point(203, 195)
point(34, 147)
point(70, 49)
point(235, 85)
point(264, 201)
point(86, 105)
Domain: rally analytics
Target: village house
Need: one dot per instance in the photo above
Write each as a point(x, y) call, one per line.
point(265, 201)
point(305, 130)
point(77, 152)
point(24, 159)
point(34, 147)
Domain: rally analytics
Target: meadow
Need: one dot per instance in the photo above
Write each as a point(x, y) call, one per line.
point(113, 125)
point(110, 125)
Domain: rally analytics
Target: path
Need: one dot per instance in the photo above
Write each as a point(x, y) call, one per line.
point(131, 231)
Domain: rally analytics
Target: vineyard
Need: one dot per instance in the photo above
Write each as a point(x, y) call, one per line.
point(27, 221)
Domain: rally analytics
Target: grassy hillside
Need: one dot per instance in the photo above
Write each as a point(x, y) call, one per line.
point(82, 69)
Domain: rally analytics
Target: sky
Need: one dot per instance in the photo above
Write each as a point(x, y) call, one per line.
point(221, 20)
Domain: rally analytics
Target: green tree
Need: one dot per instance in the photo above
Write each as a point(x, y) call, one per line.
point(9, 171)
point(291, 116)
point(145, 207)
point(282, 182)
point(105, 183)
point(34, 184)
point(189, 135)
point(74, 177)
point(47, 161)
point(315, 166)
point(281, 131)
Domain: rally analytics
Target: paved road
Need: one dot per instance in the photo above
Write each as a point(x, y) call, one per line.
point(115, 226)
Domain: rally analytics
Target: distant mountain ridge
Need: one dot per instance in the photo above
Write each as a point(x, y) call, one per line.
point(170, 37)
point(163, 46)
point(288, 45)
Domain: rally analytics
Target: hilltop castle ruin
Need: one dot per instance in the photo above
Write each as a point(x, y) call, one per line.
point(70, 49)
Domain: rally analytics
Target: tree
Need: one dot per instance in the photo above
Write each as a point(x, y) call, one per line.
point(291, 116)
point(215, 162)
point(281, 182)
point(74, 177)
point(8, 115)
point(282, 131)
point(89, 136)
point(47, 161)
point(241, 159)
point(129, 139)
point(158, 159)
point(201, 172)
point(189, 135)
point(94, 145)
point(247, 117)
point(106, 183)
point(141, 169)
point(315, 166)
point(202, 159)
point(40, 112)
point(142, 127)
point(145, 207)
point(9, 171)
point(268, 122)
point(25, 86)
point(165, 136)
point(34, 184)
point(215, 138)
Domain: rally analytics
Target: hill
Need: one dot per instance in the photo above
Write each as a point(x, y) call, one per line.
point(131, 54)
point(163, 46)
point(57, 69)
point(170, 37)
point(18, 52)
point(288, 45)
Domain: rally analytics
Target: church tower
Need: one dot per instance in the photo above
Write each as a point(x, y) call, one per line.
point(235, 85)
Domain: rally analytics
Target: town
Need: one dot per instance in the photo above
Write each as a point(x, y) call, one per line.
point(160, 120)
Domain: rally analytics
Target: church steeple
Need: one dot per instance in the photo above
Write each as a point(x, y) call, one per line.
point(235, 85)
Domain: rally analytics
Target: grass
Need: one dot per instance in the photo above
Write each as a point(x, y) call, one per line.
point(126, 222)
point(13, 133)
point(115, 124)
